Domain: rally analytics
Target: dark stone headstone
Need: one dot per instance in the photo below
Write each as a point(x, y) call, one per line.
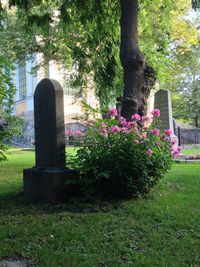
point(163, 103)
point(49, 125)
point(50, 180)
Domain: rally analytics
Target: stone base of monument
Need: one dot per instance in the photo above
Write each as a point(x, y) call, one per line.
point(51, 185)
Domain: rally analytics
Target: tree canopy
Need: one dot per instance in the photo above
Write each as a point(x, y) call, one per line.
point(186, 87)
point(87, 34)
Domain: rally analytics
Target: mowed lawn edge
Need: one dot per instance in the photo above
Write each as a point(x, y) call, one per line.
point(160, 230)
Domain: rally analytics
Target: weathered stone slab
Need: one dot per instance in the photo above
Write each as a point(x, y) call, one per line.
point(50, 180)
point(164, 104)
point(51, 185)
point(49, 124)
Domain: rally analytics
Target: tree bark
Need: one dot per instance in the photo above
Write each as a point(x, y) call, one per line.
point(196, 121)
point(138, 77)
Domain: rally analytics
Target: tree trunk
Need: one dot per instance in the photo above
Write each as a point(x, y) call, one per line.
point(196, 121)
point(138, 77)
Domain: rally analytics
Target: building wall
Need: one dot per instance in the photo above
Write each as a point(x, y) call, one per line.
point(24, 108)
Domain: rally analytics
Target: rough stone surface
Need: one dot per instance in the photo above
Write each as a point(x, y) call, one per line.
point(49, 124)
point(51, 185)
point(50, 180)
point(163, 103)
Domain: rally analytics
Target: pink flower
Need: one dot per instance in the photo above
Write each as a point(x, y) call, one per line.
point(135, 130)
point(136, 141)
point(156, 113)
point(191, 156)
point(155, 131)
point(144, 136)
point(173, 142)
point(172, 150)
point(124, 123)
point(149, 152)
point(176, 152)
point(136, 117)
point(113, 112)
point(179, 149)
point(125, 130)
point(104, 132)
point(157, 143)
point(132, 124)
point(104, 125)
point(70, 132)
point(146, 118)
point(146, 128)
point(78, 133)
point(115, 129)
point(168, 132)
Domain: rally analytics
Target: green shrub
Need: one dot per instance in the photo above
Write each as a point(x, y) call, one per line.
point(8, 123)
point(123, 159)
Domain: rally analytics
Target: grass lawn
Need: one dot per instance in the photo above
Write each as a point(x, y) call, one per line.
point(191, 151)
point(161, 230)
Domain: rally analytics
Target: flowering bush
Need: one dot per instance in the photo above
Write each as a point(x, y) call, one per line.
point(123, 159)
point(194, 156)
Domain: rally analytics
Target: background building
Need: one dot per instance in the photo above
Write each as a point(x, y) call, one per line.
point(26, 79)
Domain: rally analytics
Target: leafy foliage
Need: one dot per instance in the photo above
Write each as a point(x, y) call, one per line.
point(185, 84)
point(122, 161)
point(87, 34)
point(8, 123)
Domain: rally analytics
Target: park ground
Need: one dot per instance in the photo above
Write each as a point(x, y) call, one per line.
point(160, 230)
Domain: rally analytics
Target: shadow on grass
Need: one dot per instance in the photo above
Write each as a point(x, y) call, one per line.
point(14, 204)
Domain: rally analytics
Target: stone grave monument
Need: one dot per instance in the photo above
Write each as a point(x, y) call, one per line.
point(49, 180)
point(162, 101)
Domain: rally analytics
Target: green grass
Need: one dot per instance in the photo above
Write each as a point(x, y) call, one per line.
point(191, 151)
point(161, 230)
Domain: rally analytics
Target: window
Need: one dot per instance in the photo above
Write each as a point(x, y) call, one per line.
point(22, 80)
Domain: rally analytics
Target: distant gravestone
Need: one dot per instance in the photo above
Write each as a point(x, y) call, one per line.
point(163, 102)
point(49, 180)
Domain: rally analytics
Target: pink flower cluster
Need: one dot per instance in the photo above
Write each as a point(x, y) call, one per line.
point(175, 151)
point(149, 152)
point(140, 129)
point(115, 129)
point(113, 112)
point(136, 117)
point(156, 132)
point(74, 133)
point(104, 132)
point(156, 113)
point(168, 132)
point(194, 156)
